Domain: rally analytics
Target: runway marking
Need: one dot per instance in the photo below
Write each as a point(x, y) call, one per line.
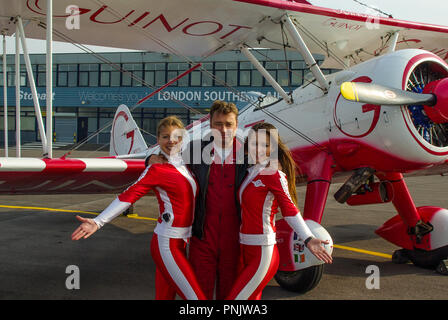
point(372, 253)
point(136, 216)
point(131, 216)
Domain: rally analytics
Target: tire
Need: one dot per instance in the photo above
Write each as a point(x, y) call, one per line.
point(300, 281)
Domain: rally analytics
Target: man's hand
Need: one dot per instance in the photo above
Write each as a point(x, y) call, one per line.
point(155, 158)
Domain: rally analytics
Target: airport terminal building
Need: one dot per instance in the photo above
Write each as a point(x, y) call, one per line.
point(89, 87)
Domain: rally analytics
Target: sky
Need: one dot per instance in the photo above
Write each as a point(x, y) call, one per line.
point(427, 11)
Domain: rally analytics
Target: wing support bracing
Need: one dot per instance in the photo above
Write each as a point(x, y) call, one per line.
point(306, 54)
point(265, 74)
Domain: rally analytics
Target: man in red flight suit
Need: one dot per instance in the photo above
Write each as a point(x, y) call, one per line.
point(217, 164)
point(214, 247)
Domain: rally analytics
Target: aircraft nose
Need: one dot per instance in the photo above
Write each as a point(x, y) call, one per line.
point(439, 112)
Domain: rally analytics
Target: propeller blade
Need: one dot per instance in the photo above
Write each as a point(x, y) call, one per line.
point(380, 95)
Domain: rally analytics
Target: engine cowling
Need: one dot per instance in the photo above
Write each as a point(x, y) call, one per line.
point(393, 138)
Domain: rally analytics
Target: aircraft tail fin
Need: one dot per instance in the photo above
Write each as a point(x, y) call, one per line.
point(125, 135)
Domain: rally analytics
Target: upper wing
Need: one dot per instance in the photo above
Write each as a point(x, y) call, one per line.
point(204, 27)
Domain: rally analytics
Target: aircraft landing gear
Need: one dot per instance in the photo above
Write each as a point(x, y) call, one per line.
point(420, 232)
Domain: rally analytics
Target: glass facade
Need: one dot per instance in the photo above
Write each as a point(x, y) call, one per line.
point(89, 92)
point(240, 74)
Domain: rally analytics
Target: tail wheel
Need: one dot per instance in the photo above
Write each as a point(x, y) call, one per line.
point(300, 281)
point(400, 257)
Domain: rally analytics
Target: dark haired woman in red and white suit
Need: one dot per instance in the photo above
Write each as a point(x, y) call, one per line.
point(265, 190)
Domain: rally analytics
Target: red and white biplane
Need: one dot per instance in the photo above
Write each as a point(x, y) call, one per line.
point(383, 117)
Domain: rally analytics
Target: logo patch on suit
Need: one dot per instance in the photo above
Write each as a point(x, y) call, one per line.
point(258, 183)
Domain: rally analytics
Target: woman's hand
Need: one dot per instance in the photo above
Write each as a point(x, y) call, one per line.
point(85, 230)
point(316, 248)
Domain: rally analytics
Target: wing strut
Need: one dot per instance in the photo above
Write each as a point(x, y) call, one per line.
point(394, 41)
point(265, 74)
point(17, 67)
point(306, 54)
point(29, 69)
point(49, 79)
point(5, 95)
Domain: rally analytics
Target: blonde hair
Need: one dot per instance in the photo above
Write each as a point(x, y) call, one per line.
point(171, 121)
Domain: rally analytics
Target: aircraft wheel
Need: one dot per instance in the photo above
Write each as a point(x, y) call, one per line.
point(442, 267)
point(300, 281)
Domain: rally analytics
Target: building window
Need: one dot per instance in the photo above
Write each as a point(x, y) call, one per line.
point(207, 74)
point(110, 75)
point(160, 78)
point(279, 71)
point(195, 78)
point(232, 78)
point(283, 78)
point(72, 79)
point(105, 79)
point(257, 78)
point(155, 74)
point(67, 75)
point(297, 77)
point(115, 78)
point(132, 76)
point(11, 76)
point(83, 79)
point(149, 78)
point(176, 69)
point(88, 74)
point(226, 72)
point(297, 68)
point(220, 78)
point(62, 79)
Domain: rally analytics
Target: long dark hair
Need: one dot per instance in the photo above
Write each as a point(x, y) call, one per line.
point(287, 163)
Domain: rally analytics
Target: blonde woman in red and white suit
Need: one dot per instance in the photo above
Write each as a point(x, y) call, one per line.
point(175, 189)
point(265, 190)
